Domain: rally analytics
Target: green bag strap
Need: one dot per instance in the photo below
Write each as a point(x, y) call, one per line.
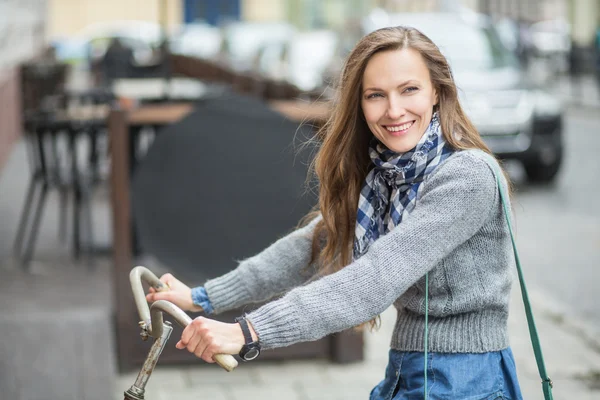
point(535, 340)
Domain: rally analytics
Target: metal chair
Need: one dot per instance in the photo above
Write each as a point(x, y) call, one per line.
point(54, 144)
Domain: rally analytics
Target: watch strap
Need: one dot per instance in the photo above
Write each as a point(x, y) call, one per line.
point(245, 329)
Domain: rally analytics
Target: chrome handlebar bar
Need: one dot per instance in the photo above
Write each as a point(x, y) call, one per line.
point(136, 276)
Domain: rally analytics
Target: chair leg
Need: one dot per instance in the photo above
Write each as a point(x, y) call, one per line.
point(63, 206)
point(94, 158)
point(76, 222)
point(23, 221)
point(89, 227)
point(35, 227)
point(76, 197)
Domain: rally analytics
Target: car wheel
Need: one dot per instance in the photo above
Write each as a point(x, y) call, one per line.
point(543, 169)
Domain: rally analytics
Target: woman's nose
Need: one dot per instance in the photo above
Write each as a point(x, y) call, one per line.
point(395, 108)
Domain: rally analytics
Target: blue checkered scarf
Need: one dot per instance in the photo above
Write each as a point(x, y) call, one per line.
point(391, 188)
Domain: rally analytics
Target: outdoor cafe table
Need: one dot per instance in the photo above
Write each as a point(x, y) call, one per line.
point(343, 347)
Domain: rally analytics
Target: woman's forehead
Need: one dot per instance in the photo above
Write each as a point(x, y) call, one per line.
point(393, 67)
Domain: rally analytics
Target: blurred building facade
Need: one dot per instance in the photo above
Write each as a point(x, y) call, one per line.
point(68, 17)
point(22, 28)
point(585, 20)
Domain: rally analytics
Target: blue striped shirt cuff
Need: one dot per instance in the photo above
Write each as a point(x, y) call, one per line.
point(200, 298)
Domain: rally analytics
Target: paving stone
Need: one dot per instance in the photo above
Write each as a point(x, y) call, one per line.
point(196, 393)
point(349, 391)
point(292, 372)
point(213, 375)
point(265, 391)
point(171, 377)
point(367, 374)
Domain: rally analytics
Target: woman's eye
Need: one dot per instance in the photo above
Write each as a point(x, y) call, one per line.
point(373, 95)
point(411, 89)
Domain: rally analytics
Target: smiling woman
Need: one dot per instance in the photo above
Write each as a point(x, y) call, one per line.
point(407, 189)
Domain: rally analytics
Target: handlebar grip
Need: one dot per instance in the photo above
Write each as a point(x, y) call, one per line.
point(226, 361)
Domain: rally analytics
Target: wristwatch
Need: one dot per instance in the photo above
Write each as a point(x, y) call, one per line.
point(250, 350)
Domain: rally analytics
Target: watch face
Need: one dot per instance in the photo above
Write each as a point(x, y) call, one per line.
point(251, 354)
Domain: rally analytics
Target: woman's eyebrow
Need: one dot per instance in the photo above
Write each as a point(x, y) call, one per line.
point(376, 89)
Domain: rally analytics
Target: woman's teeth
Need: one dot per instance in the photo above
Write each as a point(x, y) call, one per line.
point(399, 128)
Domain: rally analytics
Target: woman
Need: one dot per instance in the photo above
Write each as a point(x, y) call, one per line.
point(408, 205)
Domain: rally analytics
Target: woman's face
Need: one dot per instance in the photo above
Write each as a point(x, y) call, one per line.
point(397, 98)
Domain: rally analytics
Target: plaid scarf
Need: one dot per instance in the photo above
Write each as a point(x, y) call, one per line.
point(391, 188)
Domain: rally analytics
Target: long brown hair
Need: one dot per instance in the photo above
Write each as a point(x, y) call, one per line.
point(342, 162)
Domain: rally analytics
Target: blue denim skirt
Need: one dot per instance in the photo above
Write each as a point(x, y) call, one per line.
point(452, 376)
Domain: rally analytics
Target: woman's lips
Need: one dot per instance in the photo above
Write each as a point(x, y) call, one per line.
point(399, 129)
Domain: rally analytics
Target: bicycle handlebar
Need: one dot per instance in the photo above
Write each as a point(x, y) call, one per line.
point(135, 278)
point(153, 317)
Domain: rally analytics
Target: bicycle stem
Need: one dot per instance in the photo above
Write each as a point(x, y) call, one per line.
point(137, 390)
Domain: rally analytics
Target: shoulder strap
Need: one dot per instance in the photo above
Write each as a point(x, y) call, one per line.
point(535, 341)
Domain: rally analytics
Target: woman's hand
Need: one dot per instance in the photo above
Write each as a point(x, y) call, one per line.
point(205, 337)
point(179, 294)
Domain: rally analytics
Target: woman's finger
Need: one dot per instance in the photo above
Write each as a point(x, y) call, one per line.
point(152, 297)
point(191, 329)
point(167, 279)
point(199, 350)
point(194, 342)
point(203, 349)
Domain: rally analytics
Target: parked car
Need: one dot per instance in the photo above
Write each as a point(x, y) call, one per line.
point(516, 120)
point(301, 59)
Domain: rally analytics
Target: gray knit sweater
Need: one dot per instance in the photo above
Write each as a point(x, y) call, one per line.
point(457, 232)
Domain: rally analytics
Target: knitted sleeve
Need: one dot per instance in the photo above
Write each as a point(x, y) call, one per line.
point(456, 201)
point(282, 266)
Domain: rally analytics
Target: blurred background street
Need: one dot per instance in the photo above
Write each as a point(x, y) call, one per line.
point(130, 130)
